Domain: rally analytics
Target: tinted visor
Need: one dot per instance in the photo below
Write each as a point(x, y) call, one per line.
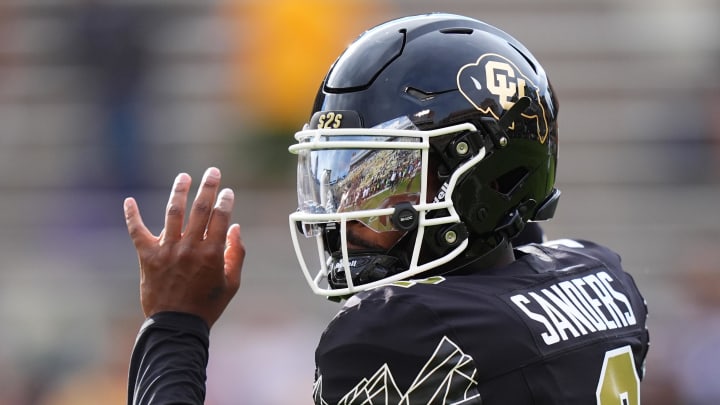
point(350, 179)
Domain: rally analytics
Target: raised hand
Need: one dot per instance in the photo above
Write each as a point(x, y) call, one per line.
point(197, 270)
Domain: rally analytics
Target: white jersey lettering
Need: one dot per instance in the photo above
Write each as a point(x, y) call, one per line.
point(577, 307)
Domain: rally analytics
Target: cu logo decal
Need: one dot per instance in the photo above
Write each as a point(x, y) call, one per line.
point(501, 81)
point(493, 84)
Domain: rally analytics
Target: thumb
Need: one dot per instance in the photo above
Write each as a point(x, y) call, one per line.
point(139, 233)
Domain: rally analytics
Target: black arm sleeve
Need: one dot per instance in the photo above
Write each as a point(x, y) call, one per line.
point(169, 360)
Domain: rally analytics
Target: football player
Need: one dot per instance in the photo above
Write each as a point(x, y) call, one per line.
point(431, 146)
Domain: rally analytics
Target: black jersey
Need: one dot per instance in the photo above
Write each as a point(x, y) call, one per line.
point(563, 324)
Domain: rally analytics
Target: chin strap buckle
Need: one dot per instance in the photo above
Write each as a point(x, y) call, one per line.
point(511, 226)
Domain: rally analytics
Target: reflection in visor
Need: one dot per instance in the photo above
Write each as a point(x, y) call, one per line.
point(344, 180)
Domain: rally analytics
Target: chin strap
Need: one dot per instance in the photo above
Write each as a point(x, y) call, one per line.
point(365, 267)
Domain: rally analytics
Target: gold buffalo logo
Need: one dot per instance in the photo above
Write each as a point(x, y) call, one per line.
point(495, 81)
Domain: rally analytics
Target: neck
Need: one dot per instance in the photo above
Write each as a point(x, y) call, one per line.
point(506, 255)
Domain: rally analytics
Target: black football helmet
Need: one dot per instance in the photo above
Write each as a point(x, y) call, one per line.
point(440, 126)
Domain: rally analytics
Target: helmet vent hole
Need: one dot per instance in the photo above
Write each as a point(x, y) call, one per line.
point(419, 94)
point(459, 30)
point(508, 182)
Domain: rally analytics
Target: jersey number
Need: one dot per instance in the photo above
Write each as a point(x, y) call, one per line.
point(619, 383)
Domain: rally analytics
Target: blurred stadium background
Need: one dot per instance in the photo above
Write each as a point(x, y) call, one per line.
point(100, 100)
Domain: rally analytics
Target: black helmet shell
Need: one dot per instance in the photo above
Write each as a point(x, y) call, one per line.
point(444, 69)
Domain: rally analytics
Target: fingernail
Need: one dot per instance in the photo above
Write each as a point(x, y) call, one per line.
point(225, 199)
point(180, 177)
point(226, 193)
point(213, 172)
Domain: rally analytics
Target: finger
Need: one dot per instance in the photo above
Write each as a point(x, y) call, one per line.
point(234, 256)
point(220, 217)
point(202, 206)
point(139, 233)
point(175, 211)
